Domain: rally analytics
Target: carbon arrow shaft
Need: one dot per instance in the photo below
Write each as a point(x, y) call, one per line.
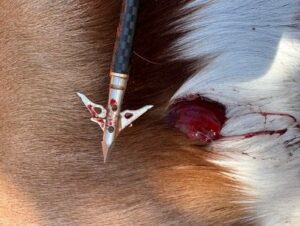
point(125, 35)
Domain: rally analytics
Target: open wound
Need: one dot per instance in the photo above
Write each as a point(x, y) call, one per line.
point(202, 120)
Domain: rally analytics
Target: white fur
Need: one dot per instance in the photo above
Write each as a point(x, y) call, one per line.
point(256, 45)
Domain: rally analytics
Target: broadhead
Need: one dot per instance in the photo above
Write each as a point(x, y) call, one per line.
point(112, 122)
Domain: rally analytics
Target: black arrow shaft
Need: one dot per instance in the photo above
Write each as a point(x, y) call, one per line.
point(125, 35)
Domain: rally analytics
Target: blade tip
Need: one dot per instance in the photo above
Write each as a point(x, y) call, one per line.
point(105, 151)
point(150, 106)
point(79, 94)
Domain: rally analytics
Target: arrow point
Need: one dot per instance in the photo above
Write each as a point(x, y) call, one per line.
point(105, 150)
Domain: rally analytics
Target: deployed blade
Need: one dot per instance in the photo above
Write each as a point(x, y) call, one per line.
point(129, 116)
point(97, 116)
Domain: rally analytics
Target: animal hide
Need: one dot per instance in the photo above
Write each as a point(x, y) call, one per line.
point(241, 55)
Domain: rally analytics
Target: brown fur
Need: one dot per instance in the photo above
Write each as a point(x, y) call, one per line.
point(51, 170)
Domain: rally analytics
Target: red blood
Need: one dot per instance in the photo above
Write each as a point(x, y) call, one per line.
point(198, 118)
point(264, 132)
point(100, 120)
point(128, 115)
point(92, 111)
point(265, 114)
point(267, 132)
point(113, 102)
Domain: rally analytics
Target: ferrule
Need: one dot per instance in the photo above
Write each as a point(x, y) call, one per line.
point(118, 84)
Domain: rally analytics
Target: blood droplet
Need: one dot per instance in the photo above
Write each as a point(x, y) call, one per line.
point(128, 115)
point(113, 102)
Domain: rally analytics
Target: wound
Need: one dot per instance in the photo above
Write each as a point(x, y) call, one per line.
point(199, 118)
point(202, 120)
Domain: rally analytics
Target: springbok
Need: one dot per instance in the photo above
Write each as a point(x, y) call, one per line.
point(220, 146)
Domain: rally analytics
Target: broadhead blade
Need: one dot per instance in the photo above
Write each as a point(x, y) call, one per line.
point(129, 116)
point(92, 107)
